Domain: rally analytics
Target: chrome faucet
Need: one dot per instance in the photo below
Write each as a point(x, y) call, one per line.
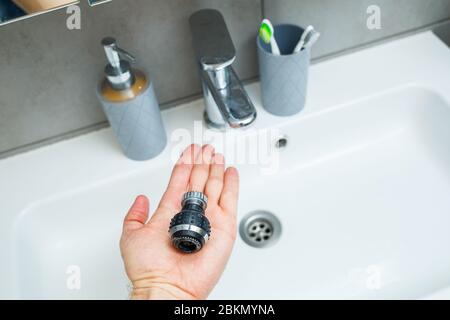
point(227, 102)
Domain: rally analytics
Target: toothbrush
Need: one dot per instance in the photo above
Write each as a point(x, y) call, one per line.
point(301, 42)
point(308, 38)
point(267, 34)
point(309, 42)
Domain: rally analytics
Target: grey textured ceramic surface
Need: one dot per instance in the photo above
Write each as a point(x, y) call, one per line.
point(284, 78)
point(137, 125)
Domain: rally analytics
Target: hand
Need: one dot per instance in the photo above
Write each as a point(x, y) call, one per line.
point(156, 269)
point(32, 6)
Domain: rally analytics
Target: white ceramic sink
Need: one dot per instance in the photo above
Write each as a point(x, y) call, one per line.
point(364, 199)
point(362, 190)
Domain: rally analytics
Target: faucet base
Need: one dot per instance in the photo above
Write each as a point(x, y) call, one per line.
point(213, 125)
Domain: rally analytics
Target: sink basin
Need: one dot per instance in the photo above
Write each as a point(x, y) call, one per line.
point(364, 201)
point(359, 181)
point(362, 192)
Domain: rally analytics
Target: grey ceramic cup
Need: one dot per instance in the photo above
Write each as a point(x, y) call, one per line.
point(284, 78)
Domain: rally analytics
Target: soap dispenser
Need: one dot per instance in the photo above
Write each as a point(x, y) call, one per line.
point(130, 104)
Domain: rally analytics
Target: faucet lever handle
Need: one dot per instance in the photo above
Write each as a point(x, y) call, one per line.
point(212, 42)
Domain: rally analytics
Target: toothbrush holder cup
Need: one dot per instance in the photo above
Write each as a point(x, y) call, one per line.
point(284, 78)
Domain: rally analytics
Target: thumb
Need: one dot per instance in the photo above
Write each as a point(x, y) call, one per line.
point(137, 215)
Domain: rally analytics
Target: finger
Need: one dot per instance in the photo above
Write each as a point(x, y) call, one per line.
point(137, 215)
point(179, 180)
point(200, 172)
point(230, 193)
point(214, 184)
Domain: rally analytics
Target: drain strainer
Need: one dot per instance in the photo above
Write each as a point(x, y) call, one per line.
point(260, 229)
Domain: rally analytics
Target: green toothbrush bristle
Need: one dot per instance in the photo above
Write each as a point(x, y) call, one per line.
point(265, 33)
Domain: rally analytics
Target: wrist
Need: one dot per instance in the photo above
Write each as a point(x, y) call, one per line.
point(155, 288)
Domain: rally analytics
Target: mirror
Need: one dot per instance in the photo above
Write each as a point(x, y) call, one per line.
point(95, 2)
point(14, 10)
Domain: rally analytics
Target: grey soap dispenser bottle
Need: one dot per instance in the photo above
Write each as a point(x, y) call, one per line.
point(130, 104)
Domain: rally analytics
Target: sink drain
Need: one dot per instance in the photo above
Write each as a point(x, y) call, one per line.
point(260, 229)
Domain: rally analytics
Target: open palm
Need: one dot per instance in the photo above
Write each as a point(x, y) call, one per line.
point(156, 269)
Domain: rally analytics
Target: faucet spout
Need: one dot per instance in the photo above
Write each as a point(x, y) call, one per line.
point(227, 102)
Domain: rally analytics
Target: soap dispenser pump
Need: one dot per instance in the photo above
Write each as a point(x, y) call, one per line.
point(129, 102)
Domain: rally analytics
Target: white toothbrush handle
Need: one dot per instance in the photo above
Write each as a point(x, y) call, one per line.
point(299, 46)
point(301, 42)
point(311, 41)
point(274, 46)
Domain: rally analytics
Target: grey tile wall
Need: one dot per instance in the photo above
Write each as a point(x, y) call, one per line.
point(343, 22)
point(48, 73)
point(443, 32)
